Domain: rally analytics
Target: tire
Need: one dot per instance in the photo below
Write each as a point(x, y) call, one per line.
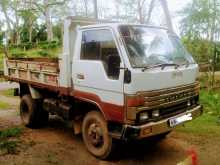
point(95, 135)
point(32, 113)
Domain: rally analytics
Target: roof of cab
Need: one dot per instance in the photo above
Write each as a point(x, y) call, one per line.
point(85, 22)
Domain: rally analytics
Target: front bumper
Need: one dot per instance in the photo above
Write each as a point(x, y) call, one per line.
point(155, 128)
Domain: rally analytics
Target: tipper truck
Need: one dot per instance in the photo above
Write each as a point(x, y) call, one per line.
point(112, 81)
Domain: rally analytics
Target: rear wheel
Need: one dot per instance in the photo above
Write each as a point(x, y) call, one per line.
point(96, 136)
point(31, 112)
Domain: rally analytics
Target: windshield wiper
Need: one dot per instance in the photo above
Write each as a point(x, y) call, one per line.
point(160, 65)
point(188, 64)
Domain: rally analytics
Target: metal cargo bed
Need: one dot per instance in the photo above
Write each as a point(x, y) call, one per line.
point(44, 71)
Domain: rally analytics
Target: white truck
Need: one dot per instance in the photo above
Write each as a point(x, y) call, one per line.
point(113, 80)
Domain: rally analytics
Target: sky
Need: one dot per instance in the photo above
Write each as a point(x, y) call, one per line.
point(175, 6)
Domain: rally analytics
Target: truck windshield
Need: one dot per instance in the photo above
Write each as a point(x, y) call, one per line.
point(148, 46)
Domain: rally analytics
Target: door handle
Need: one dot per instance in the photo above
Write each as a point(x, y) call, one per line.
point(80, 76)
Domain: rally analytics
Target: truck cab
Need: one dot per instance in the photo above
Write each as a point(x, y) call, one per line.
point(136, 81)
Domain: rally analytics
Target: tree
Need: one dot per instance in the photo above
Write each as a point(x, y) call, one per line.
point(10, 10)
point(132, 10)
point(95, 9)
point(5, 8)
point(141, 9)
point(29, 17)
point(45, 7)
point(201, 22)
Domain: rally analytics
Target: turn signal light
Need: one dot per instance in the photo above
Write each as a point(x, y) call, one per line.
point(135, 101)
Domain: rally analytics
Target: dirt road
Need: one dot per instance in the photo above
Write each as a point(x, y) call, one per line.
point(56, 144)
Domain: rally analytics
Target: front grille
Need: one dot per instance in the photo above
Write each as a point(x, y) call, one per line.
point(170, 102)
point(169, 97)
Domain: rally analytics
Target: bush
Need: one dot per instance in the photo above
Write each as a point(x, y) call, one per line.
point(26, 46)
point(48, 45)
point(210, 101)
point(18, 54)
point(9, 147)
point(11, 132)
point(43, 53)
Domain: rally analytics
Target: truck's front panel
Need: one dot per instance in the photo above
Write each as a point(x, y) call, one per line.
point(163, 91)
point(157, 78)
point(161, 104)
point(154, 112)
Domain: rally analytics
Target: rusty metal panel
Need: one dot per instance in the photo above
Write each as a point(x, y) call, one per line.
point(22, 65)
point(35, 76)
point(50, 67)
point(37, 70)
point(50, 79)
point(12, 72)
point(11, 64)
point(34, 66)
point(23, 74)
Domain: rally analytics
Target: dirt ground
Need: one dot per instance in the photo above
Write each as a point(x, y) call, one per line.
point(56, 144)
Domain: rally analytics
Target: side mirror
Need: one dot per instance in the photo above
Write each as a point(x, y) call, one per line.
point(114, 66)
point(127, 76)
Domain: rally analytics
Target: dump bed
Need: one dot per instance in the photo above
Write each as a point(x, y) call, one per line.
point(38, 71)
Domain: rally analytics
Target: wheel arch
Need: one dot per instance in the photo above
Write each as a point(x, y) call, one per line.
point(28, 89)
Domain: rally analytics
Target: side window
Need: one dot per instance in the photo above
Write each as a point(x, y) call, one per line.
point(100, 45)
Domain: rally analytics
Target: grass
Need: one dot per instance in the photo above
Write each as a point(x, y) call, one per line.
point(53, 52)
point(11, 132)
point(4, 105)
point(1, 60)
point(8, 145)
point(204, 125)
point(8, 93)
point(208, 123)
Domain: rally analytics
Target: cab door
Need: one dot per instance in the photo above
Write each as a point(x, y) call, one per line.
point(96, 71)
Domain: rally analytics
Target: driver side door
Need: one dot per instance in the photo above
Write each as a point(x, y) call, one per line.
point(93, 74)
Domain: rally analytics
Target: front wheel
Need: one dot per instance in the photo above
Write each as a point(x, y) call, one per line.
point(96, 136)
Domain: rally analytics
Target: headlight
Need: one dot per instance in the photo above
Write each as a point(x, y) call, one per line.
point(189, 103)
point(144, 116)
point(156, 113)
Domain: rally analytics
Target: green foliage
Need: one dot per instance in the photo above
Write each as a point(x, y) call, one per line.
point(1, 61)
point(200, 19)
point(8, 93)
point(43, 53)
point(200, 28)
point(7, 145)
point(1, 37)
point(11, 132)
point(57, 31)
point(18, 54)
point(208, 123)
point(41, 34)
point(204, 125)
point(49, 45)
point(4, 106)
point(210, 101)
point(202, 50)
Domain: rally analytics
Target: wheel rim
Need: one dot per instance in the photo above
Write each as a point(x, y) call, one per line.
point(95, 135)
point(25, 113)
